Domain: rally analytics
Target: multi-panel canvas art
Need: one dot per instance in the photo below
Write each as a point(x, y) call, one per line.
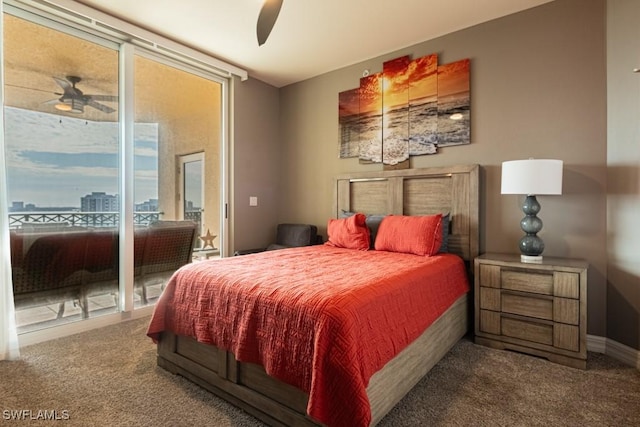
point(348, 116)
point(453, 103)
point(369, 121)
point(423, 106)
point(395, 111)
point(409, 109)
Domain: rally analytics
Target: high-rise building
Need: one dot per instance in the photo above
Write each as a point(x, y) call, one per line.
point(100, 202)
point(150, 205)
point(16, 207)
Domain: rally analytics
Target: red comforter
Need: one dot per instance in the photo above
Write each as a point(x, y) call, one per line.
point(321, 318)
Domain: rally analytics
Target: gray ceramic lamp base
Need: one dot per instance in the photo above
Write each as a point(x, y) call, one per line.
point(531, 246)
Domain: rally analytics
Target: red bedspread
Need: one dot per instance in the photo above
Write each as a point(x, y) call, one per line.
point(321, 318)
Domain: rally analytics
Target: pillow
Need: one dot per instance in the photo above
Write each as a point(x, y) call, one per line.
point(351, 232)
point(444, 246)
point(372, 221)
point(345, 214)
point(419, 235)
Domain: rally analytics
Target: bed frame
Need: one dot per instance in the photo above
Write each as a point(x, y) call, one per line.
point(453, 189)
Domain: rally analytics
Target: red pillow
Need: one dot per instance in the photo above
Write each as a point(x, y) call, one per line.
point(419, 235)
point(350, 233)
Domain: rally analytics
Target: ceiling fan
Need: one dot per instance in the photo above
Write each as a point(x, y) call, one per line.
point(73, 100)
point(267, 19)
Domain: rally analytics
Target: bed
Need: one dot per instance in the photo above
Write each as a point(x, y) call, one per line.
point(362, 376)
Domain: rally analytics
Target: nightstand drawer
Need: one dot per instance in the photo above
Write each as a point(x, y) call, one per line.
point(490, 276)
point(490, 298)
point(561, 336)
point(527, 282)
point(490, 322)
point(566, 285)
point(566, 311)
point(529, 331)
point(566, 337)
point(527, 305)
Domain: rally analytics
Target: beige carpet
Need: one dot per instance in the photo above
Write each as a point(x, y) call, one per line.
point(108, 377)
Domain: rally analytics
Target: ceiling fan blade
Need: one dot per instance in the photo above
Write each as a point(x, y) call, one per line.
point(52, 101)
point(267, 19)
point(69, 90)
point(101, 107)
point(108, 98)
point(64, 84)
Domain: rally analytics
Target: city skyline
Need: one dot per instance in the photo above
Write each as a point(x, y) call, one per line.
point(20, 205)
point(55, 161)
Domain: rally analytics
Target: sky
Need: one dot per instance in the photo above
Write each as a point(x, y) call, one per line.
point(53, 161)
point(401, 79)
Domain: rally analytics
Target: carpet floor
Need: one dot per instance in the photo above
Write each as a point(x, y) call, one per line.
point(109, 377)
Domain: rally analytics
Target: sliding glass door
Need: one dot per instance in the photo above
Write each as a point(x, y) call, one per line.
point(184, 109)
point(64, 148)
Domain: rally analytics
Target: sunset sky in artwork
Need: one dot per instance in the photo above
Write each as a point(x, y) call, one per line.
point(402, 80)
point(395, 84)
point(371, 93)
point(423, 78)
point(453, 78)
point(349, 103)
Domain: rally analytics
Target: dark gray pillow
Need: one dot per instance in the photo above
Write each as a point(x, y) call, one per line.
point(373, 222)
point(446, 220)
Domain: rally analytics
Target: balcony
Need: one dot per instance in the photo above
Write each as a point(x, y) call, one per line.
point(65, 264)
point(83, 219)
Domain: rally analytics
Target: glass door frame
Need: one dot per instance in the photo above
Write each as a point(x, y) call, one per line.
point(178, 57)
point(183, 160)
point(199, 69)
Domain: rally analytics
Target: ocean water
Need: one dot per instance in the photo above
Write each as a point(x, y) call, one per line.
point(454, 132)
point(349, 136)
point(370, 148)
point(416, 129)
point(423, 126)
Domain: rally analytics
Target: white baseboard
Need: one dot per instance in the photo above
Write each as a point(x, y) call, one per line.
point(625, 354)
point(596, 343)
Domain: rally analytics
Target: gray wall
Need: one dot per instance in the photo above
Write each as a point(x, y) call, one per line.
point(255, 164)
point(623, 181)
point(539, 89)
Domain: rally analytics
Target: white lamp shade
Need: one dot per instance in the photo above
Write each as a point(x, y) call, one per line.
point(532, 176)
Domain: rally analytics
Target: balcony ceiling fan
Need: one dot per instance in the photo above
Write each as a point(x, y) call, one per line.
point(74, 100)
point(267, 19)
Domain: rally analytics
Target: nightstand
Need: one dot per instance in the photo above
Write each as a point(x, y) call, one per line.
point(534, 308)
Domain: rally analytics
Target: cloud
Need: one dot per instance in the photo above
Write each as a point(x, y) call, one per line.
point(50, 157)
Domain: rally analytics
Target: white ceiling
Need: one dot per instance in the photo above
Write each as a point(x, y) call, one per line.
point(310, 37)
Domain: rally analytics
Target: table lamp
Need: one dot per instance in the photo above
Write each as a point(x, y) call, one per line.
point(531, 177)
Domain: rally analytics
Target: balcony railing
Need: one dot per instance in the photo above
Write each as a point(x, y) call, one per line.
point(86, 219)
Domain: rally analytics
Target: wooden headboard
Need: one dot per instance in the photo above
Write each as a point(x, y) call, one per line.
point(428, 191)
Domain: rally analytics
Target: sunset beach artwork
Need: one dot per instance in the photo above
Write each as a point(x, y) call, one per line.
point(409, 109)
point(348, 117)
point(370, 119)
point(453, 104)
point(423, 106)
point(395, 111)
